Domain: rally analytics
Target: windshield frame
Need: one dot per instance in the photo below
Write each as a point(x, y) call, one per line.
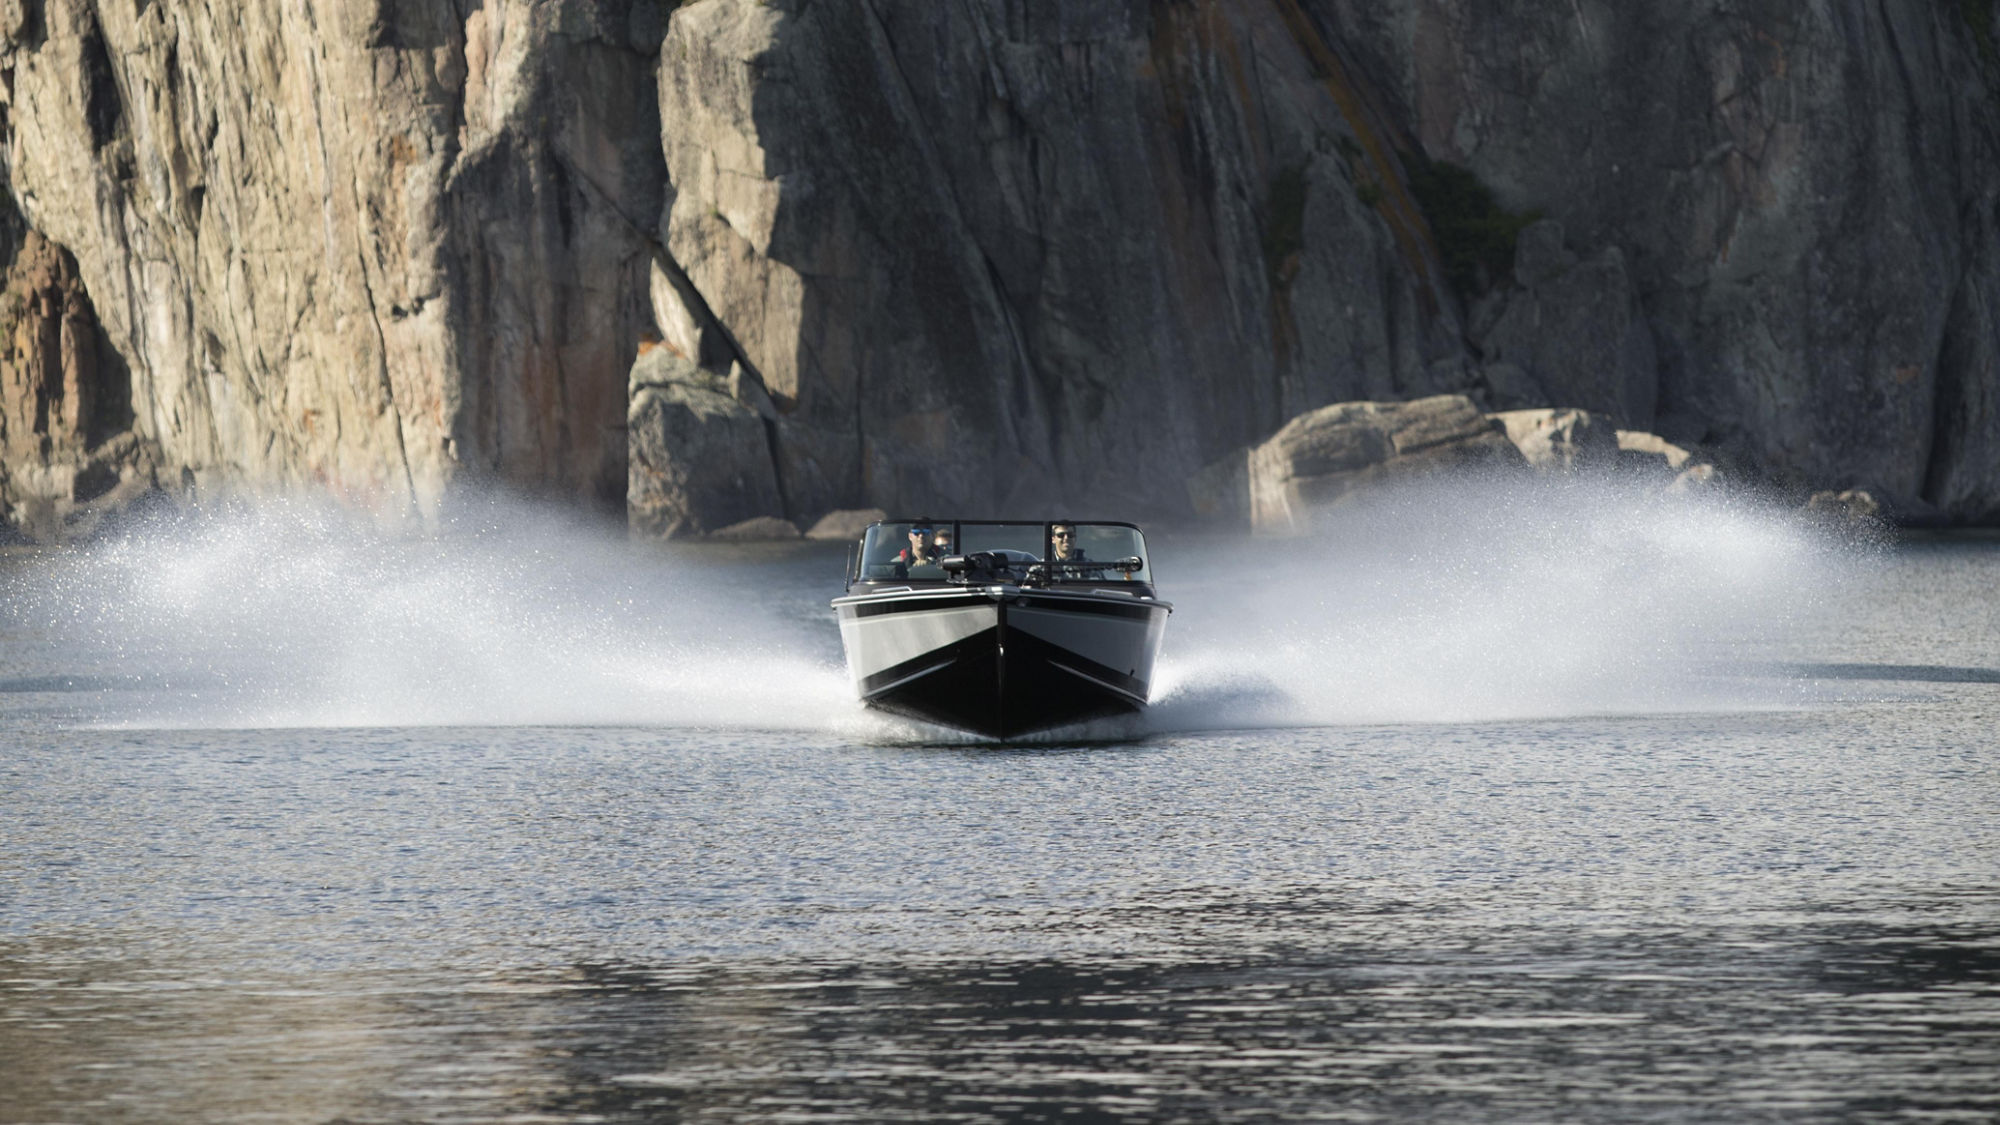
point(1034, 569)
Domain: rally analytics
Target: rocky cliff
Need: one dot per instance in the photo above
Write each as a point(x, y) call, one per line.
point(985, 255)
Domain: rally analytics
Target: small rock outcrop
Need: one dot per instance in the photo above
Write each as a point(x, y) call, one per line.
point(1644, 452)
point(1851, 507)
point(1555, 439)
point(1324, 456)
point(1327, 457)
point(700, 459)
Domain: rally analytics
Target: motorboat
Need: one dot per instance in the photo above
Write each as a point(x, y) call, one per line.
point(1001, 628)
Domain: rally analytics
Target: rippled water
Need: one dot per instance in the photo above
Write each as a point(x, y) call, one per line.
point(1694, 818)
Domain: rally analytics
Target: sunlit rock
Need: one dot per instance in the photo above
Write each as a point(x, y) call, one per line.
point(1561, 440)
point(1322, 457)
point(373, 248)
point(1696, 478)
point(1650, 453)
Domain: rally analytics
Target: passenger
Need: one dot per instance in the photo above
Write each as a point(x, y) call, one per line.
point(941, 543)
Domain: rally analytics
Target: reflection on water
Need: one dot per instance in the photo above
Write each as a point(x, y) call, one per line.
point(1819, 1016)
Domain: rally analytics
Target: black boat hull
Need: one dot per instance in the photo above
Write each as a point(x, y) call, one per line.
point(1002, 661)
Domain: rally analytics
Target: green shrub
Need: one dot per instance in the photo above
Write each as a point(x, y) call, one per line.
point(1475, 235)
point(1978, 16)
point(1284, 222)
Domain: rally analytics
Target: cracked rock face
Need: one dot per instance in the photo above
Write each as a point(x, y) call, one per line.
point(1110, 242)
point(1000, 255)
point(1805, 198)
point(989, 255)
point(361, 246)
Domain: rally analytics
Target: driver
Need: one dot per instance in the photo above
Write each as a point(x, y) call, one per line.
point(1062, 537)
point(918, 553)
point(1063, 549)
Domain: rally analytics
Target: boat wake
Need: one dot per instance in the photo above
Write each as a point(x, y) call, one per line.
point(1551, 599)
point(1429, 604)
point(292, 614)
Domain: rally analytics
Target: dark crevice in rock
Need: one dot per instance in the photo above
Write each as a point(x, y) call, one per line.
point(26, 28)
point(65, 395)
point(1284, 222)
point(1022, 389)
point(1475, 235)
point(560, 192)
point(419, 24)
point(103, 105)
point(1958, 369)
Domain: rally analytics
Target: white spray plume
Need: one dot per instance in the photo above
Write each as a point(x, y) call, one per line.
point(296, 614)
point(1430, 603)
point(1495, 600)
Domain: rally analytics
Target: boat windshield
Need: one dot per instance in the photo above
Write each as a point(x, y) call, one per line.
point(900, 550)
point(911, 549)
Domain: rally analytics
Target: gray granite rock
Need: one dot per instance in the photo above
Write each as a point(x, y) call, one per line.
point(1805, 198)
point(1575, 327)
point(1326, 456)
point(700, 461)
point(1000, 255)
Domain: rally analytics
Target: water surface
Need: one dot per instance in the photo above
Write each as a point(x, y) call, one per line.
point(1698, 824)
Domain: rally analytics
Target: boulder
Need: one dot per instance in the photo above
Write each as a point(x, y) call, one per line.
point(1323, 457)
point(1650, 453)
point(845, 523)
point(699, 460)
point(1847, 506)
point(1561, 440)
point(1696, 478)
